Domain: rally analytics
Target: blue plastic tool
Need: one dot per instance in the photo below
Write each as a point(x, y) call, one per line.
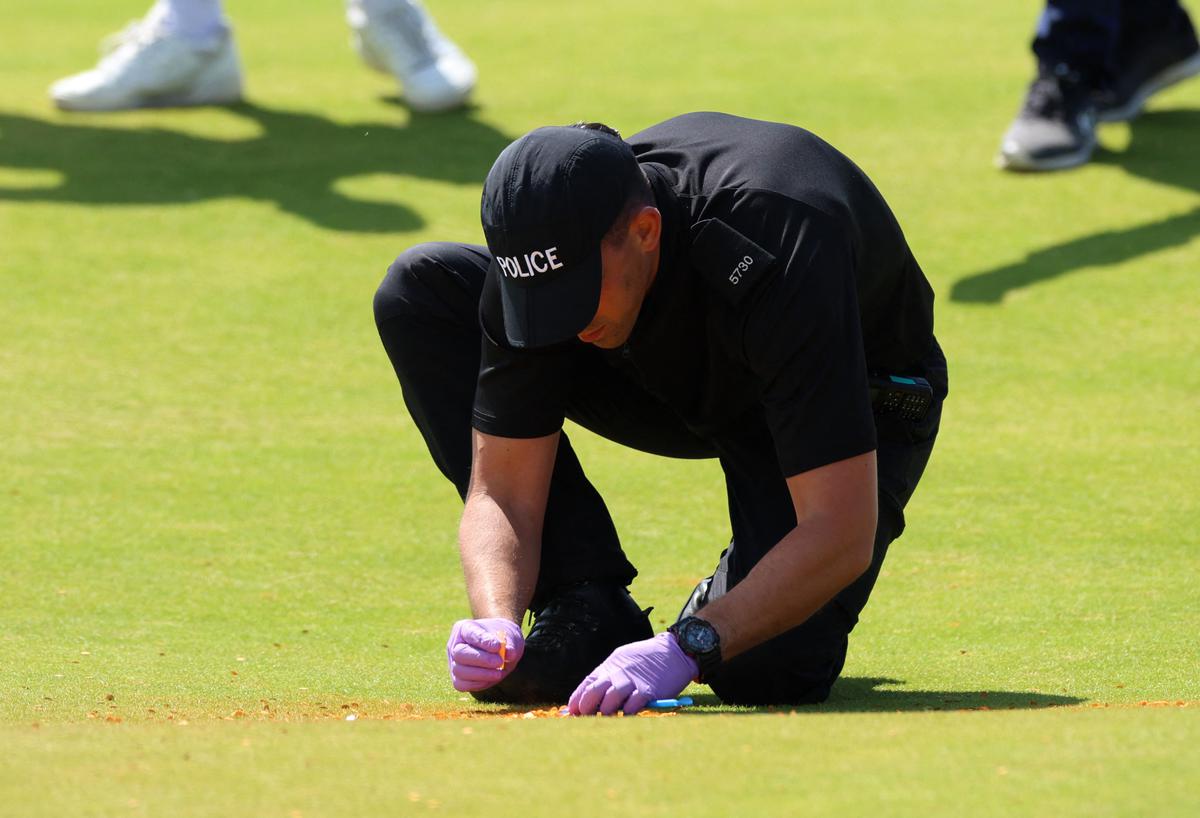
point(658, 704)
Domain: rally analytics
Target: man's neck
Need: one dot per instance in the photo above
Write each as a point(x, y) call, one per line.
point(654, 266)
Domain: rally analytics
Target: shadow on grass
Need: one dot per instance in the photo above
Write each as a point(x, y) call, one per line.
point(1162, 150)
point(856, 694)
point(296, 163)
point(866, 694)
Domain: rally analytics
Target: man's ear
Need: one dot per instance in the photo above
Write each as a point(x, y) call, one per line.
point(646, 227)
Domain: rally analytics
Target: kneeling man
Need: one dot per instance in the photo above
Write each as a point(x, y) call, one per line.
point(711, 287)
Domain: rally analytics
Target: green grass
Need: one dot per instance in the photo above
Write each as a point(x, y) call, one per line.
point(918, 764)
point(211, 498)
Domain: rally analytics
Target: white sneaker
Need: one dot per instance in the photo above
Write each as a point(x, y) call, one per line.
point(145, 67)
point(402, 40)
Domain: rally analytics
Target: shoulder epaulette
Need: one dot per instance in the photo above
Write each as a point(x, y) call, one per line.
point(731, 263)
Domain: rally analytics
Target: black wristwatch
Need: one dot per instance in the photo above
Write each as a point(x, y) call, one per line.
point(699, 640)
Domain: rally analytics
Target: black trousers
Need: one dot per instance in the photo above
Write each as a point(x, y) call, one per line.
point(426, 311)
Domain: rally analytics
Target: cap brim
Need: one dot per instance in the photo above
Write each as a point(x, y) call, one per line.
point(551, 311)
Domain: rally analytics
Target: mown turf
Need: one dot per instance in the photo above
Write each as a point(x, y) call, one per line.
point(909, 764)
point(212, 501)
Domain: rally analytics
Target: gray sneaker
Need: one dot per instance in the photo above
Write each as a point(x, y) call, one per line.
point(1056, 127)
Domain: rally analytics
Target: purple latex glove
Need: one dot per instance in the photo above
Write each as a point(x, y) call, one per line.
point(473, 651)
point(634, 675)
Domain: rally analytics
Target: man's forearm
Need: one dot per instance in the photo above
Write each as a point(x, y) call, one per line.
point(794, 580)
point(500, 558)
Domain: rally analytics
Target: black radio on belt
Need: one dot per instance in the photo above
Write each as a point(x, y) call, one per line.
point(905, 395)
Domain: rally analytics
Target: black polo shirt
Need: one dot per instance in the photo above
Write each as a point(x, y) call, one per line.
point(783, 279)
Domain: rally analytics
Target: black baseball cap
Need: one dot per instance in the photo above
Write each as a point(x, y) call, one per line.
point(548, 201)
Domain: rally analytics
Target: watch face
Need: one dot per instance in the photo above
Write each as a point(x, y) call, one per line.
point(699, 637)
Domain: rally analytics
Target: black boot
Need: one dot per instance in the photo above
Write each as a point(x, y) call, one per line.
point(711, 587)
point(575, 630)
point(697, 600)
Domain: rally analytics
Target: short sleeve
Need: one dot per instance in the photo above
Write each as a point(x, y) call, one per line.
point(521, 393)
point(803, 340)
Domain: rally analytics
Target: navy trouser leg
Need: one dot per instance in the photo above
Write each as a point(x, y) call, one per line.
point(426, 311)
point(1088, 35)
point(1144, 20)
point(801, 665)
point(1081, 33)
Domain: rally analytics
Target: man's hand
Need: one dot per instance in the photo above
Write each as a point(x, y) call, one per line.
point(481, 652)
point(634, 675)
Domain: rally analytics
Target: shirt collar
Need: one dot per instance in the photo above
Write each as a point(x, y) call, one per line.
point(671, 245)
